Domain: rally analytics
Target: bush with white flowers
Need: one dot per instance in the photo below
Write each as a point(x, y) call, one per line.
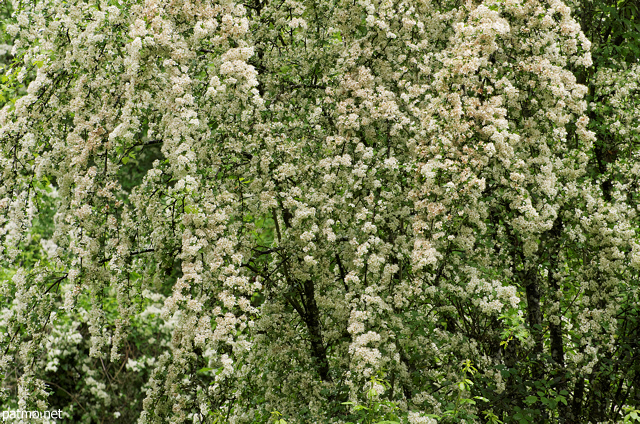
point(228, 212)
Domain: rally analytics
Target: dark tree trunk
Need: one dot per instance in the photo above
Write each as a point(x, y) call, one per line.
point(312, 320)
point(576, 403)
point(534, 314)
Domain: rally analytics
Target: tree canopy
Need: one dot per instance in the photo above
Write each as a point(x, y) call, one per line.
point(320, 211)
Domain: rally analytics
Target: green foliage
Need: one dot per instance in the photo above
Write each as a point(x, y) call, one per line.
point(375, 410)
point(632, 415)
point(513, 327)
point(277, 418)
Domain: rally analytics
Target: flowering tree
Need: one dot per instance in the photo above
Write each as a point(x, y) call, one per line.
point(234, 212)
